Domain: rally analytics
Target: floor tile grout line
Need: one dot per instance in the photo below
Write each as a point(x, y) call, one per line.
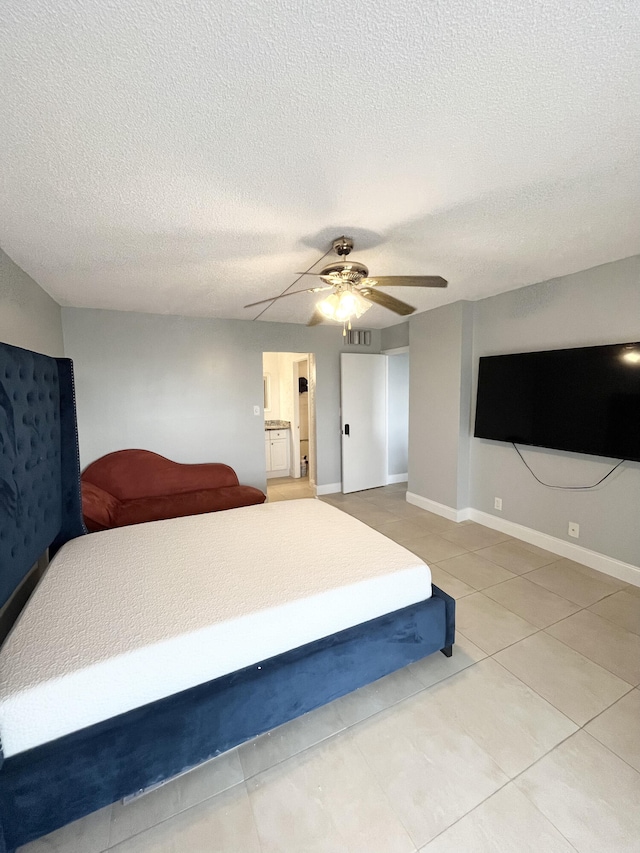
point(374, 778)
point(417, 846)
point(549, 702)
point(347, 727)
point(602, 666)
point(253, 815)
point(176, 814)
point(486, 799)
point(546, 755)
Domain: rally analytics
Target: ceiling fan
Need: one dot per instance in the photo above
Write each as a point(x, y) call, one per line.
point(352, 290)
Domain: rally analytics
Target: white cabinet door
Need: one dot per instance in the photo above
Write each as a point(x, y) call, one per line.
point(267, 453)
point(279, 455)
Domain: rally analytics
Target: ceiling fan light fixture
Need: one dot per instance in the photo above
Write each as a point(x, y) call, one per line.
point(329, 306)
point(343, 306)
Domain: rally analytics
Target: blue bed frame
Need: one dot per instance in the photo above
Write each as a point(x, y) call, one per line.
point(40, 507)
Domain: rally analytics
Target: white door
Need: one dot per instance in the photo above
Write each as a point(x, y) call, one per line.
point(363, 387)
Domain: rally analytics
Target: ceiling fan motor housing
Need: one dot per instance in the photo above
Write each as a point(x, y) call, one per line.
point(342, 246)
point(351, 271)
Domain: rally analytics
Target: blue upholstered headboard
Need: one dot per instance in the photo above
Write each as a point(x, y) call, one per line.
point(40, 503)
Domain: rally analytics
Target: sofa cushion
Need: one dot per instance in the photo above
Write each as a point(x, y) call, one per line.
point(157, 507)
point(99, 508)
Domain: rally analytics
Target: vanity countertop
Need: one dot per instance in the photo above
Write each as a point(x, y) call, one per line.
point(277, 425)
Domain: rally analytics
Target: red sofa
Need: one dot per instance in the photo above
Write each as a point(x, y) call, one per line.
point(132, 486)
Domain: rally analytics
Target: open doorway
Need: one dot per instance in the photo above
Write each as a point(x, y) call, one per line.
point(289, 412)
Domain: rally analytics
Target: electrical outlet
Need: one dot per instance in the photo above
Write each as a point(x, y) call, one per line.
point(256, 410)
point(574, 529)
point(497, 503)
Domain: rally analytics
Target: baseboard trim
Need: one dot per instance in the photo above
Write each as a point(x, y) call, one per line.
point(593, 559)
point(439, 509)
point(329, 489)
point(396, 478)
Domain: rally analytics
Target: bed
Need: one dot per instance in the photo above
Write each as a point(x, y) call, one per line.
point(112, 679)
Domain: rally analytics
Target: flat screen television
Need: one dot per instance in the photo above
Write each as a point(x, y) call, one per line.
point(585, 400)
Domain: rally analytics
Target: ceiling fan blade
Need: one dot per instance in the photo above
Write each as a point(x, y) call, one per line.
point(407, 281)
point(390, 302)
point(293, 293)
point(316, 317)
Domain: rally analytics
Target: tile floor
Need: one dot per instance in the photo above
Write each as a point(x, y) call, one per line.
point(288, 489)
point(527, 739)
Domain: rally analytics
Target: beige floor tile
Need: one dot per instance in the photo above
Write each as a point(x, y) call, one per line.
point(276, 495)
point(437, 524)
point(431, 769)
point(622, 608)
point(531, 601)
point(578, 583)
point(511, 722)
point(333, 499)
point(602, 642)
point(289, 739)
point(571, 682)
point(476, 571)
point(375, 517)
point(516, 556)
point(402, 531)
point(402, 509)
point(90, 834)
point(507, 822)
point(219, 825)
point(325, 800)
point(450, 584)
point(433, 548)
point(589, 794)
point(632, 589)
point(356, 507)
point(437, 667)
point(490, 625)
point(618, 728)
point(175, 796)
point(377, 696)
point(474, 536)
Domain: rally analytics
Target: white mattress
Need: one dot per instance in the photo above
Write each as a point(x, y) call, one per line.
point(128, 616)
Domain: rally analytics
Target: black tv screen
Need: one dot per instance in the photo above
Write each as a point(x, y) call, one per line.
point(584, 400)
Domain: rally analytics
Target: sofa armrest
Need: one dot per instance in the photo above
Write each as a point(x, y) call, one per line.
point(99, 508)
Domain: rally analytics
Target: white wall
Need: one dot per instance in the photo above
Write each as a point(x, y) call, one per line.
point(185, 387)
point(29, 317)
point(395, 337)
point(597, 306)
point(439, 400)
point(398, 413)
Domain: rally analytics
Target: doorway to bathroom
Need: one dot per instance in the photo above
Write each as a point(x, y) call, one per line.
point(289, 413)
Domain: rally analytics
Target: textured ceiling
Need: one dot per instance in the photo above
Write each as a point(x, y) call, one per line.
point(188, 156)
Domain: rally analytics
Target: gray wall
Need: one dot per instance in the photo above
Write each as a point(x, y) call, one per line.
point(597, 306)
point(398, 413)
point(395, 337)
point(29, 317)
point(186, 387)
point(439, 404)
